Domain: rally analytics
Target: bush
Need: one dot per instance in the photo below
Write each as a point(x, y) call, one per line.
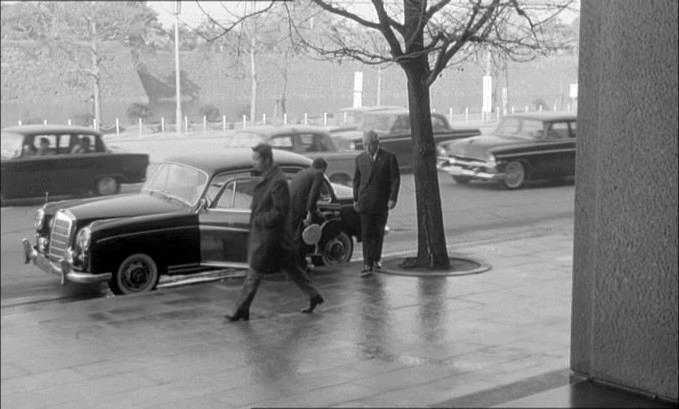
point(211, 112)
point(136, 111)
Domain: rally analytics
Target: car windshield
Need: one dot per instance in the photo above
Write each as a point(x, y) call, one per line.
point(176, 181)
point(520, 128)
point(10, 144)
point(244, 140)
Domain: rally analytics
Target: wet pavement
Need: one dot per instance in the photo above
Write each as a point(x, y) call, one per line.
point(385, 340)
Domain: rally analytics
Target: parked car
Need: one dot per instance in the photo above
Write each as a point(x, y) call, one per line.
point(309, 141)
point(351, 119)
point(64, 164)
point(191, 215)
point(538, 145)
point(393, 126)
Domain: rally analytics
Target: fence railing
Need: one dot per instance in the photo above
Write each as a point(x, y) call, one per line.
point(325, 119)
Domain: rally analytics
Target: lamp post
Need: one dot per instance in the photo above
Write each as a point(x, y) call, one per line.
point(178, 111)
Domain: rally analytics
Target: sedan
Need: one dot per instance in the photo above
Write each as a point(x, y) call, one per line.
point(191, 215)
point(528, 146)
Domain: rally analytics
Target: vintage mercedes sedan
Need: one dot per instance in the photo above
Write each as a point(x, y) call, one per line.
point(57, 160)
point(191, 215)
point(528, 146)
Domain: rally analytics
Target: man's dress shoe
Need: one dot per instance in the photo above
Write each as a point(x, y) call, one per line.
point(239, 315)
point(313, 302)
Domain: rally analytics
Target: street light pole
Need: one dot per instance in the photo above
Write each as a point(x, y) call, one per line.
point(178, 112)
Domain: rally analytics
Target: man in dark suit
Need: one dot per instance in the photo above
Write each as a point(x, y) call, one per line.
point(305, 189)
point(376, 183)
point(270, 241)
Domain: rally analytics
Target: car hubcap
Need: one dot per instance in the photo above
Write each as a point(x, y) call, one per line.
point(515, 174)
point(137, 276)
point(336, 251)
point(107, 186)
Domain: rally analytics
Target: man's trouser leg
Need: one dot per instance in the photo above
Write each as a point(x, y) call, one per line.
point(368, 235)
point(380, 222)
point(301, 279)
point(248, 290)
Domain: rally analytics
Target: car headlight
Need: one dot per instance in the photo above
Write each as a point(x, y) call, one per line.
point(82, 240)
point(490, 160)
point(39, 219)
point(352, 146)
point(441, 151)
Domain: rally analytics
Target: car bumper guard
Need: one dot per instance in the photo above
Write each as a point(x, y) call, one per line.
point(63, 269)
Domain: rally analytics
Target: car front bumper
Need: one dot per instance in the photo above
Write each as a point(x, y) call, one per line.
point(474, 170)
point(63, 269)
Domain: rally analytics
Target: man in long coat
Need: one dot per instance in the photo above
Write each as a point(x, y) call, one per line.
point(305, 190)
point(270, 246)
point(376, 184)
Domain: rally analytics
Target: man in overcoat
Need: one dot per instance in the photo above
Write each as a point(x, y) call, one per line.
point(305, 190)
point(270, 246)
point(376, 184)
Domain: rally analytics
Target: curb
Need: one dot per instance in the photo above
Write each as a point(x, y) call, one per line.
point(459, 267)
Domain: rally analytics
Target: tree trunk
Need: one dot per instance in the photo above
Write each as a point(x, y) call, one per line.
point(431, 239)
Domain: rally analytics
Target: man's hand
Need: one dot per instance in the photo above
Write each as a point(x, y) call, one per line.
point(308, 220)
point(356, 206)
point(391, 204)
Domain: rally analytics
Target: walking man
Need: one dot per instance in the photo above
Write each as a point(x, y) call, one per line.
point(376, 183)
point(305, 190)
point(270, 242)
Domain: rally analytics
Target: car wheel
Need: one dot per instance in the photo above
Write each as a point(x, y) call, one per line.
point(337, 250)
point(340, 179)
point(108, 185)
point(515, 175)
point(461, 180)
point(137, 273)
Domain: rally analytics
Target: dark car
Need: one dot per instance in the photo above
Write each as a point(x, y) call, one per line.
point(538, 145)
point(191, 215)
point(393, 126)
point(309, 141)
point(40, 160)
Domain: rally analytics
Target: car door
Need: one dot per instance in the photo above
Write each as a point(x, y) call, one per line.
point(75, 171)
point(37, 172)
point(559, 150)
point(224, 225)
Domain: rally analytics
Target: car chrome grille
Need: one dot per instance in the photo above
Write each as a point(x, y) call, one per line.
point(60, 235)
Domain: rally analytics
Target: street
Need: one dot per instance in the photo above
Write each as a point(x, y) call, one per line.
point(474, 212)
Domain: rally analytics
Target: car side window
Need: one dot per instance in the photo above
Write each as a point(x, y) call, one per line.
point(282, 142)
point(573, 126)
point(218, 182)
point(237, 194)
point(557, 130)
point(401, 124)
point(45, 145)
point(438, 123)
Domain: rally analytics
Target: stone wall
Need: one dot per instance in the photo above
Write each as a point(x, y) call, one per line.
point(625, 307)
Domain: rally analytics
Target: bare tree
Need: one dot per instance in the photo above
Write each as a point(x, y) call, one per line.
point(424, 40)
point(75, 34)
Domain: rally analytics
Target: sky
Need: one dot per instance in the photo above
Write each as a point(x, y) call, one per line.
point(191, 15)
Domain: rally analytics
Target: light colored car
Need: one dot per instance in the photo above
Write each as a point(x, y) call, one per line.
point(309, 141)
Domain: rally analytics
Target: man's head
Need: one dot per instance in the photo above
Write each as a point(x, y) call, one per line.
point(262, 157)
point(320, 163)
point(44, 145)
point(371, 142)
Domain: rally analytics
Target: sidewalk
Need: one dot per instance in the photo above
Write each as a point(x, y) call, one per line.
point(386, 340)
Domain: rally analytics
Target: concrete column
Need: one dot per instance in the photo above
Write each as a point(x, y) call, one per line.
point(625, 309)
